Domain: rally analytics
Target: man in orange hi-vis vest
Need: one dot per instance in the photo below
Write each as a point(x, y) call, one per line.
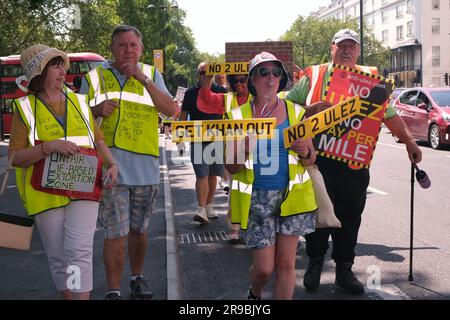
point(346, 185)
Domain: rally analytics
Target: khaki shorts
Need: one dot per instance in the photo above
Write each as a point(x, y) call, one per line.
point(124, 207)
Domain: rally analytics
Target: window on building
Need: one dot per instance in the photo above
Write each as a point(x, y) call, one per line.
point(399, 33)
point(410, 31)
point(373, 4)
point(365, 9)
point(435, 26)
point(348, 13)
point(436, 4)
point(385, 36)
point(399, 11)
point(436, 52)
point(384, 17)
point(409, 6)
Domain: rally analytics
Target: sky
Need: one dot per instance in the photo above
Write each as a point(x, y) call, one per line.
point(215, 22)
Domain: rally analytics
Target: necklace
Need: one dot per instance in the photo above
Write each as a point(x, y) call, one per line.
point(54, 103)
point(268, 113)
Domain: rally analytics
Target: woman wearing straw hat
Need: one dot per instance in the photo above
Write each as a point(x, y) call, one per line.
point(54, 143)
point(271, 194)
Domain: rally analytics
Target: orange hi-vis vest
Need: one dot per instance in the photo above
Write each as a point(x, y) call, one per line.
point(316, 75)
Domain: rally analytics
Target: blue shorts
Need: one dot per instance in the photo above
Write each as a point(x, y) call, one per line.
point(124, 207)
point(207, 159)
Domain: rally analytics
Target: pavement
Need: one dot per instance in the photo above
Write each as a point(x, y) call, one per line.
point(185, 260)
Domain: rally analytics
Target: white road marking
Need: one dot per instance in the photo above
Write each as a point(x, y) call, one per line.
point(373, 190)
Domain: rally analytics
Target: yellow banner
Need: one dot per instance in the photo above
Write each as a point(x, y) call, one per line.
point(227, 68)
point(322, 121)
point(220, 130)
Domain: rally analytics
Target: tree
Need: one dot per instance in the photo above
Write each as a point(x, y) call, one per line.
point(312, 38)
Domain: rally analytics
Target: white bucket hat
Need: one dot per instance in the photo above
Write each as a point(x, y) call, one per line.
point(35, 58)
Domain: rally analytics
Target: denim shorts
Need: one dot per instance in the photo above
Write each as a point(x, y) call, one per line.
point(124, 207)
point(207, 159)
point(264, 220)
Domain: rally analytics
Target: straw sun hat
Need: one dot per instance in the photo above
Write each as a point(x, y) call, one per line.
point(35, 58)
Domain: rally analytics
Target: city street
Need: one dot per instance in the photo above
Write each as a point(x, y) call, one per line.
point(191, 261)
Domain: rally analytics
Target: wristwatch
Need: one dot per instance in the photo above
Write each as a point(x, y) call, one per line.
point(146, 81)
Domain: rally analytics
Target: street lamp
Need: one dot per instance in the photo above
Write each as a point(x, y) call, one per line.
point(163, 10)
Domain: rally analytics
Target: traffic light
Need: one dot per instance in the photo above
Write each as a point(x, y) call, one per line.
point(446, 78)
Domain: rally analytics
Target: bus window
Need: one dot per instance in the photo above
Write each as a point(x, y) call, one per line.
point(11, 71)
point(84, 67)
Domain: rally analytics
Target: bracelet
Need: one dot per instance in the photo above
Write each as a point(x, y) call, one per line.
point(308, 156)
point(44, 148)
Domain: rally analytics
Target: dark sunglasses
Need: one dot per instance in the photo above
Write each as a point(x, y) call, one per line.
point(264, 72)
point(202, 73)
point(241, 80)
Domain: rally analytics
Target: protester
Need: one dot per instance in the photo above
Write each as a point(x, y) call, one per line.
point(128, 95)
point(52, 121)
point(205, 167)
point(273, 200)
point(220, 80)
point(239, 95)
point(346, 185)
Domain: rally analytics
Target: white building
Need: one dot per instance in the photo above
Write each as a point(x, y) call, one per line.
point(416, 31)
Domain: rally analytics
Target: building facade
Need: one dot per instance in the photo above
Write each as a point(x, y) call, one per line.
point(416, 31)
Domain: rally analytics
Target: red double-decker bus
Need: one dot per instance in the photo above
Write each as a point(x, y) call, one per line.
point(80, 64)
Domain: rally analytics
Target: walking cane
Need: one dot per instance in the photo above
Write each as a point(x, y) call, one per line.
point(424, 182)
point(410, 277)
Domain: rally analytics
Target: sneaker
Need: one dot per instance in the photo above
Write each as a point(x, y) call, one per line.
point(251, 296)
point(210, 212)
point(112, 296)
point(201, 215)
point(140, 290)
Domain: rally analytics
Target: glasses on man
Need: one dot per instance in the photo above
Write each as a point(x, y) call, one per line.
point(241, 80)
point(264, 72)
point(342, 46)
point(202, 73)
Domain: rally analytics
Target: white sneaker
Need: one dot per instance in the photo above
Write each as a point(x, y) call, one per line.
point(211, 212)
point(201, 216)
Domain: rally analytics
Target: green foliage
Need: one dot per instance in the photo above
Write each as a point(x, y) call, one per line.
point(312, 38)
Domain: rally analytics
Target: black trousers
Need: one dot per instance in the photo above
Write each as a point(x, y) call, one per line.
point(347, 190)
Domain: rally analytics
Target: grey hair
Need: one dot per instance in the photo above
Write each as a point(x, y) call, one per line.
point(125, 28)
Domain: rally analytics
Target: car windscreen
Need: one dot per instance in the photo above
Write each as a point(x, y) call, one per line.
point(442, 98)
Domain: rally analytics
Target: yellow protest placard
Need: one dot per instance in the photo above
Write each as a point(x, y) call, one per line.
point(322, 121)
point(220, 130)
point(227, 68)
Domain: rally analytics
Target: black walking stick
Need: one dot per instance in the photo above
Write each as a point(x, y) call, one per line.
point(424, 182)
point(411, 230)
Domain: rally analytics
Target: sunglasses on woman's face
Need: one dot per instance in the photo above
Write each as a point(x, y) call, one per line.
point(264, 72)
point(202, 73)
point(241, 80)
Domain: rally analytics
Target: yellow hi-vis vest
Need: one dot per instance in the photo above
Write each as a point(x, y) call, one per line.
point(42, 125)
point(134, 125)
point(231, 102)
point(299, 198)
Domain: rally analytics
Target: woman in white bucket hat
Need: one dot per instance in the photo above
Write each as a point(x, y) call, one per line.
point(53, 145)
